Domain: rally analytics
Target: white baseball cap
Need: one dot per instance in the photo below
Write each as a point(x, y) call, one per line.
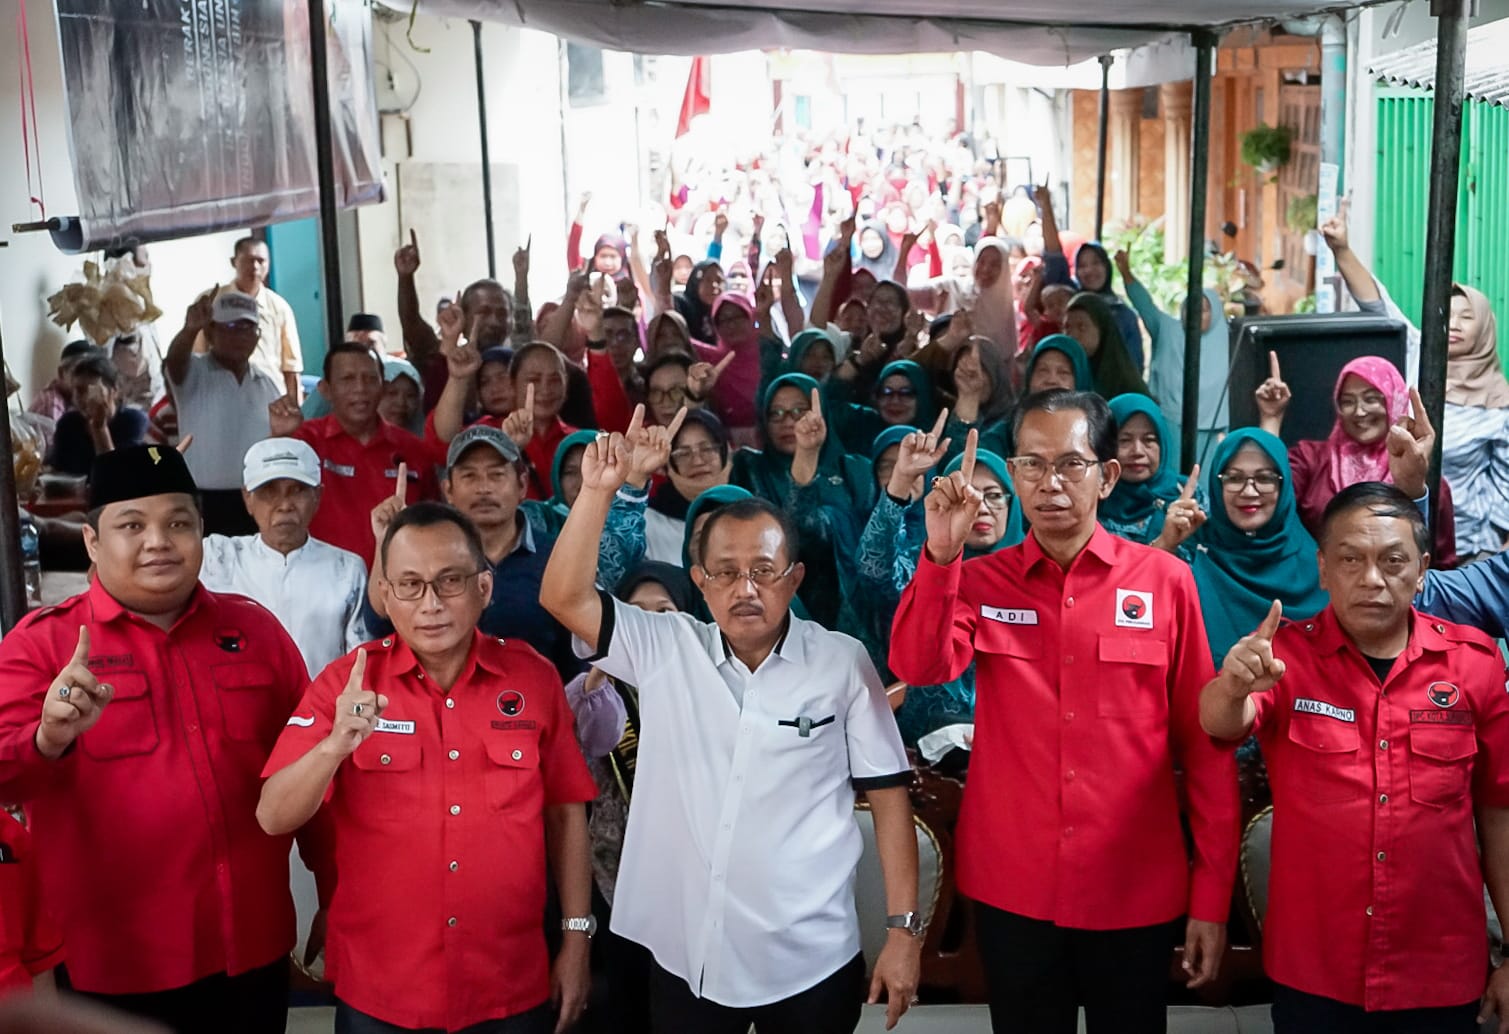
point(274, 458)
point(233, 307)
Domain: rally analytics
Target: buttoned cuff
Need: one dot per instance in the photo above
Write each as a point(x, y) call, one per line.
point(933, 578)
point(1210, 897)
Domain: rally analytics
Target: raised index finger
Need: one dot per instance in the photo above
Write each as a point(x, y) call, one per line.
point(401, 489)
point(1273, 370)
point(529, 399)
point(817, 402)
point(81, 652)
point(1422, 419)
point(1191, 483)
point(636, 422)
point(940, 423)
point(358, 671)
point(723, 363)
point(676, 421)
point(1270, 623)
point(971, 445)
point(413, 239)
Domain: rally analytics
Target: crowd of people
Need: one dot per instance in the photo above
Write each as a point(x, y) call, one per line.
point(606, 609)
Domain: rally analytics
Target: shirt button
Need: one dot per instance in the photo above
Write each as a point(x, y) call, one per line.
point(451, 921)
point(387, 642)
point(1069, 716)
point(455, 809)
point(1440, 629)
point(193, 728)
point(386, 759)
point(1383, 798)
point(454, 866)
point(450, 702)
point(1069, 602)
point(1383, 744)
point(1069, 660)
point(1068, 831)
point(1069, 776)
point(517, 755)
point(453, 755)
point(1370, 910)
point(421, 676)
point(1382, 855)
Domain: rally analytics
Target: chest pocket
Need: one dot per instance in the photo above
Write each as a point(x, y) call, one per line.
point(513, 771)
point(127, 728)
point(1329, 753)
point(1131, 676)
point(387, 782)
point(997, 637)
point(1440, 763)
point(246, 704)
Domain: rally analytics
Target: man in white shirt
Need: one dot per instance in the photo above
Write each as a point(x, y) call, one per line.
point(221, 399)
point(314, 589)
point(756, 731)
point(278, 354)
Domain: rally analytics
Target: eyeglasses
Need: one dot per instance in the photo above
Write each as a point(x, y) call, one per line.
point(784, 416)
point(1265, 481)
point(446, 586)
point(1070, 469)
point(1354, 404)
point(996, 500)
point(897, 393)
point(706, 450)
point(618, 334)
point(676, 394)
point(763, 577)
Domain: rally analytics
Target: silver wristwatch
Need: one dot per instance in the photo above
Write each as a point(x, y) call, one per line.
point(580, 924)
point(911, 922)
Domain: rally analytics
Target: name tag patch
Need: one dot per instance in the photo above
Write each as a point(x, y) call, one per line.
point(1009, 617)
point(1134, 608)
point(1441, 717)
point(342, 469)
point(1320, 707)
point(402, 728)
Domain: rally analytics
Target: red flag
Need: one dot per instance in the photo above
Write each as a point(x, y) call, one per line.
point(698, 97)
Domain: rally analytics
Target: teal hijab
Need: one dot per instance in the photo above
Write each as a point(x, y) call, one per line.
point(1240, 575)
point(997, 466)
point(1132, 504)
point(922, 384)
point(765, 472)
point(804, 341)
point(1083, 380)
point(571, 441)
point(714, 498)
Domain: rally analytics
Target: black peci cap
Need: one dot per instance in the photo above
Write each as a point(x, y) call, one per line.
point(364, 321)
point(137, 472)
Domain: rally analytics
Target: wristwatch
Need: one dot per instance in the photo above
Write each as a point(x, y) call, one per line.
point(911, 922)
point(580, 924)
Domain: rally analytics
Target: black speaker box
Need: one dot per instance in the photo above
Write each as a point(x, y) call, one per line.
point(1311, 350)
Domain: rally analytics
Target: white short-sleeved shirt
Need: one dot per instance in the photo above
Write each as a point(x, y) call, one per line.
point(225, 416)
point(316, 592)
point(739, 859)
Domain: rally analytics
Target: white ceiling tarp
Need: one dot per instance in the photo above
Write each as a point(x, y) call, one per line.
point(1039, 32)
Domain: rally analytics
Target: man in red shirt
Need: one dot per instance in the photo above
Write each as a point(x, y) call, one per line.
point(448, 765)
point(1386, 734)
point(359, 451)
point(31, 946)
point(134, 722)
point(1089, 655)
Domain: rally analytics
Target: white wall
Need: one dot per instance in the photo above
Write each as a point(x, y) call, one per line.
point(30, 267)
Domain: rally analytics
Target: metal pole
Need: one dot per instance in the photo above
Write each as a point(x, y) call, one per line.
point(1199, 157)
point(487, 165)
point(12, 579)
point(1100, 156)
point(324, 158)
point(1441, 221)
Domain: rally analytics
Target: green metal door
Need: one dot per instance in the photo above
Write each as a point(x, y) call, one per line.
point(1482, 252)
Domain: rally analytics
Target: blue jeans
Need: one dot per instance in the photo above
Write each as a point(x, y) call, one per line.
point(539, 1020)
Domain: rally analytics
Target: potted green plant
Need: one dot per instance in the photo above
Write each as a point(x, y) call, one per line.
point(1266, 147)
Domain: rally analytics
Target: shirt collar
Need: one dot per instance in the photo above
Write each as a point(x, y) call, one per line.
point(1427, 634)
point(1102, 546)
point(105, 608)
point(268, 553)
point(329, 427)
point(402, 659)
point(789, 647)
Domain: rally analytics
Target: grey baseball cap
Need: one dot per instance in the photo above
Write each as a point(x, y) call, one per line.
point(481, 434)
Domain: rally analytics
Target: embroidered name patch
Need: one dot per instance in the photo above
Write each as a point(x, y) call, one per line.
point(342, 469)
point(402, 728)
point(1320, 707)
point(1009, 617)
point(1134, 609)
point(1441, 717)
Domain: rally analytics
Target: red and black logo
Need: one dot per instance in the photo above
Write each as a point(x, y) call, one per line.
point(230, 640)
point(1443, 694)
point(511, 703)
point(1134, 607)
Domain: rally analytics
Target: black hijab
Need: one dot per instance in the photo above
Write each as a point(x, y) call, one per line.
point(699, 317)
point(676, 583)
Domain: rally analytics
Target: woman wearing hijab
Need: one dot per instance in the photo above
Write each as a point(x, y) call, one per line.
point(667, 333)
point(1058, 362)
point(695, 304)
point(1092, 275)
point(841, 481)
point(1150, 484)
point(903, 395)
point(980, 393)
point(738, 331)
point(648, 521)
point(1370, 397)
point(815, 352)
point(1089, 322)
point(1253, 549)
point(607, 715)
point(986, 293)
point(877, 253)
point(1166, 375)
point(566, 471)
point(887, 313)
point(402, 402)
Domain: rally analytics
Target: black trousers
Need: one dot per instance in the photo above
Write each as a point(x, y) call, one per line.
point(539, 1020)
point(1040, 975)
point(831, 1006)
point(255, 1002)
point(1295, 1012)
point(225, 513)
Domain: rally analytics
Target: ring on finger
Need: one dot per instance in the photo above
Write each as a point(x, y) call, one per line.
point(357, 709)
point(64, 692)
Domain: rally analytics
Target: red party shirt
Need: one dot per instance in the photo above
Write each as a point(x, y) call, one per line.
point(145, 830)
point(30, 942)
point(357, 477)
point(438, 821)
point(1087, 685)
point(1376, 887)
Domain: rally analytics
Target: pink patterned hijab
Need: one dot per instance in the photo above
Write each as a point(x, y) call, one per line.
point(1351, 461)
